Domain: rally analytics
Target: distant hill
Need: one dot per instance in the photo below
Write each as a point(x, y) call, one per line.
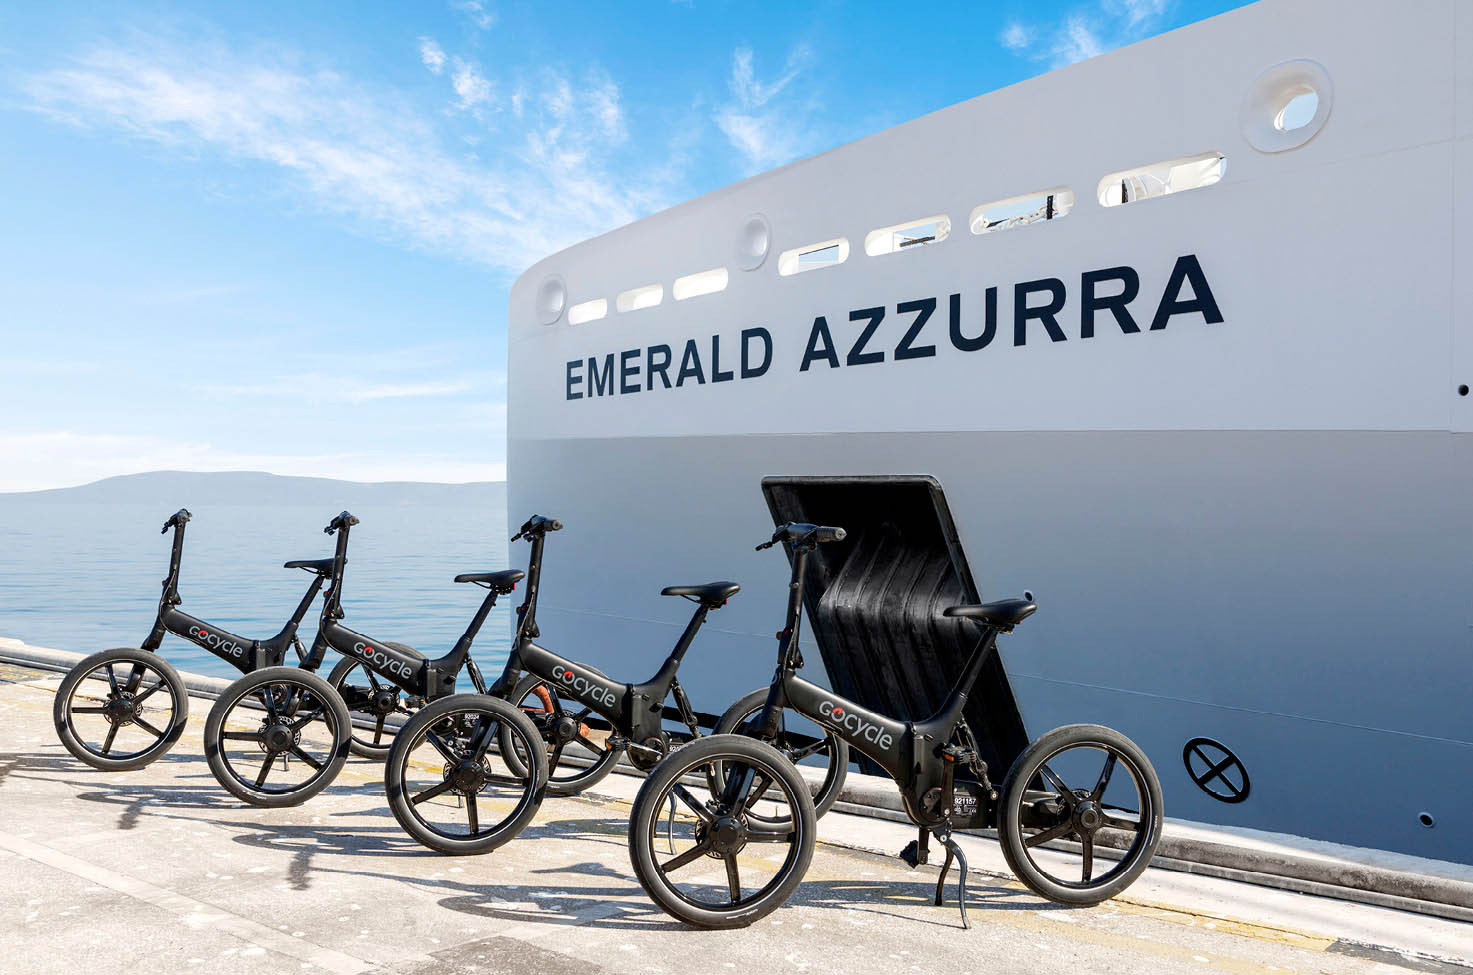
point(186, 488)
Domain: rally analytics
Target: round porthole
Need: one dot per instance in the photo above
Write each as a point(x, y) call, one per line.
point(753, 242)
point(551, 297)
point(1287, 105)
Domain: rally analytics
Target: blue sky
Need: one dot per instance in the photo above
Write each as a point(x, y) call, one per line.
point(280, 236)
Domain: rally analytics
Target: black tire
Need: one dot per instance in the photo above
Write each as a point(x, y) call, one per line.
point(826, 792)
point(1033, 814)
point(150, 710)
point(358, 691)
point(443, 732)
point(293, 702)
point(736, 754)
point(563, 778)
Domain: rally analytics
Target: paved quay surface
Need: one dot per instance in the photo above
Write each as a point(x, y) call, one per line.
point(159, 870)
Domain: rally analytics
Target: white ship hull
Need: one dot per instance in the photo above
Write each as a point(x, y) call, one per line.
point(1249, 523)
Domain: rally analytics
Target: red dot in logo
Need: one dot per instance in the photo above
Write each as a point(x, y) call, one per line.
point(202, 633)
point(568, 678)
point(838, 712)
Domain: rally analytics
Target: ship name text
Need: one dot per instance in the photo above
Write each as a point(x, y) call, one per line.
point(916, 329)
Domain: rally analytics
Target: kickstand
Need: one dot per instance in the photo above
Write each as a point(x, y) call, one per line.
point(670, 827)
point(953, 852)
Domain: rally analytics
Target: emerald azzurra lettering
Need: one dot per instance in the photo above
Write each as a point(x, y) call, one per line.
point(919, 328)
point(661, 367)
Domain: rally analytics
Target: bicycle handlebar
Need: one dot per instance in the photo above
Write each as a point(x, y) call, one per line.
point(180, 518)
point(801, 533)
point(537, 525)
point(344, 519)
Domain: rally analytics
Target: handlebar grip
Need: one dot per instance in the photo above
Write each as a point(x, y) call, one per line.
point(180, 517)
point(344, 519)
point(827, 533)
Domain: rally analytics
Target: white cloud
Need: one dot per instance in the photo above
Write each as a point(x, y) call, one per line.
point(766, 127)
point(1015, 37)
point(1088, 31)
point(470, 87)
point(475, 12)
point(432, 54)
point(364, 151)
point(60, 458)
point(1075, 42)
point(323, 388)
point(1135, 12)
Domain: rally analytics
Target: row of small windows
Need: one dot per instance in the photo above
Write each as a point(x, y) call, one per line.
point(1116, 189)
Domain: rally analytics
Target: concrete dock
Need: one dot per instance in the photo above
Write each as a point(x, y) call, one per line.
point(159, 870)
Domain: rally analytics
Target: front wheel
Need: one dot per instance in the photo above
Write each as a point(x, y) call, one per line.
point(1066, 800)
point(714, 868)
point(120, 709)
point(831, 753)
point(450, 789)
point(277, 737)
point(566, 734)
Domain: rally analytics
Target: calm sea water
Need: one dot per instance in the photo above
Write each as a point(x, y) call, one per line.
point(87, 577)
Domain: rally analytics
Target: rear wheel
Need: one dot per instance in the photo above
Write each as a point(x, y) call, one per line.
point(1081, 814)
point(566, 736)
point(829, 753)
point(714, 868)
point(450, 789)
point(277, 737)
point(374, 703)
point(120, 709)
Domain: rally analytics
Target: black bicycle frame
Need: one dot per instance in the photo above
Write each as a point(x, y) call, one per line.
point(914, 753)
point(635, 711)
point(412, 672)
point(244, 654)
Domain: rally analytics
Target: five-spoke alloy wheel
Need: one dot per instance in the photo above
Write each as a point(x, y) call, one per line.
point(1081, 814)
point(715, 866)
point(450, 788)
point(277, 737)
point(121, 709)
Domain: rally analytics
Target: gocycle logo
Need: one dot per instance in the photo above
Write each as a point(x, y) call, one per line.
point(216, 642)
point(582, 687)
point(382, 660)
point(853, 722)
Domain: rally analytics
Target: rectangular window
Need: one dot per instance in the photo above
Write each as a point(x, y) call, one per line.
point(1020, 211)
point(823, 254)
point(702, 283)
point(907, 236)
point(1162, 178)
point(636, 298)
point(588, 311)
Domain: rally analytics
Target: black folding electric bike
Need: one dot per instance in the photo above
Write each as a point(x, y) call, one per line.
point(1050, 831)
point(125, 708)
point(243, 746)
point(586, 719)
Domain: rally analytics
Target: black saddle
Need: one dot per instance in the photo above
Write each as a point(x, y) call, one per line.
point(503, 581)
point(711, 593)
point(1003, 613)
point(322, 567)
